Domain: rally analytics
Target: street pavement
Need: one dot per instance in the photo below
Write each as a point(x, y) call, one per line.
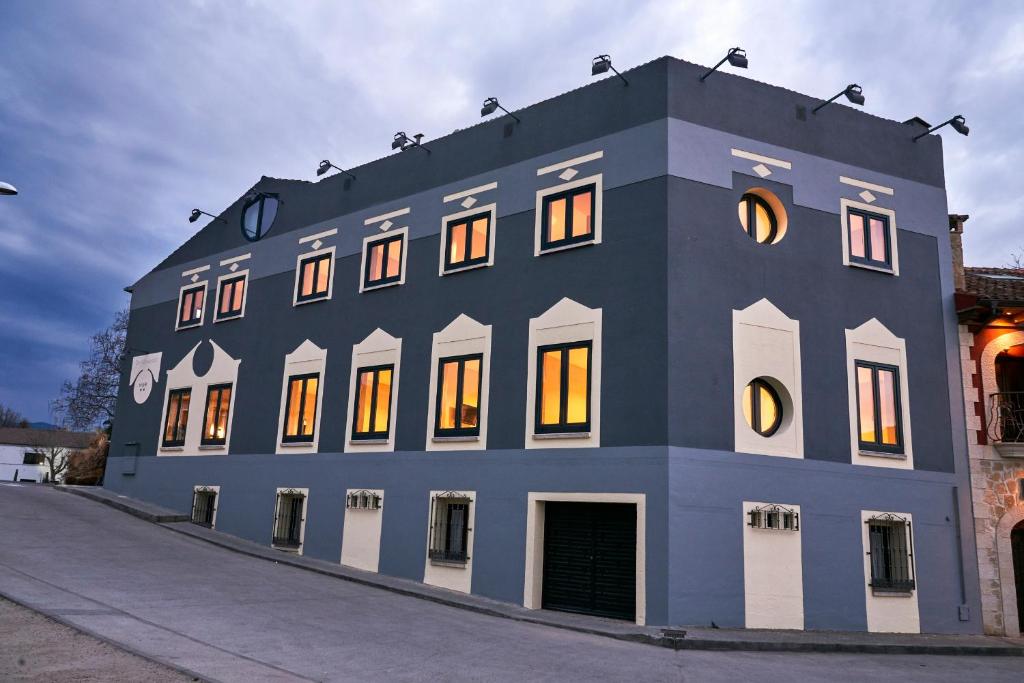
point(230, 617)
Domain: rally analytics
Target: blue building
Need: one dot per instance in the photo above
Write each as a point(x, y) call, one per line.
point(676, 351)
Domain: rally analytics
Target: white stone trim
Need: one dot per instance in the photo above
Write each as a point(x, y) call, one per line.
point(195, 271)
point(470, 192)
point(223, 370)
point(593, 156)
point(205, 284)
point(534, 575)
point(895, 613)
point(360, 537)
point(844, 204)
point(1007, 577)
point(306, 359)
point(595, 180)
point(988, 364)
point(379, 348)
point(874, 343)
point(864, 185)
point(766, 343)
point(216, 500)
point(298, 275)
point(773, 586)
point(461, 337)
point(245, 296)
point(760, 158)
point(567, 321)
point(318, 236)
point(371, 239)
point(386, 216)
point(491, 209)
point(236, 259)
point(305, 509)
point(456, 578)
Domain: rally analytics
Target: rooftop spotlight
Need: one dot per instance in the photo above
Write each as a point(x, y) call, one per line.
point(326, 166)
point(736, 56)
point(196, 213)
point(403, 142)
point(958, 122)
point(853, 92)
point(601, 65)
point(491, 104)
point(7, 189)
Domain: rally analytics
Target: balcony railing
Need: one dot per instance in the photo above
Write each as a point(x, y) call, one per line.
point(1006, 417)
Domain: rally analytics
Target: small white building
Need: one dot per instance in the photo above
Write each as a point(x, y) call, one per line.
point(22, 451)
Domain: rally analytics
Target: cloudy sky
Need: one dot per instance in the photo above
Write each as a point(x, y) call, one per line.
point(117, 118)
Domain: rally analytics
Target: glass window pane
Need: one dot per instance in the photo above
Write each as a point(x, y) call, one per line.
point(556, 220)
point(551, 387)
point(222, 413)
point(291, 426)
point(878, 241)
point(866, 406)
point(578, 390)
point(186, 307)
point(171, 419)
point(376, 262)
point(457, 251)
point(197, 303)
point(581, 214)
point(309, 407)
point(763, 223)
point(748, 405)
point(363, 403)
point(211, 414)
point(323, 274)
point(470, 393)
point(394, 258)
point(269, 214)
point(449, 385)
point(478, 244)
point(743, 207)
point(857, 246)
point(179, 428)
point(383, 401)
point(887, 406)
point(769, 411)
point(250, 220)
point(308, 268)
point(239, 291)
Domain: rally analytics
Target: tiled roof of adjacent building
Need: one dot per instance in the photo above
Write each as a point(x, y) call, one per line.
point(44, 438)
point(995, 284)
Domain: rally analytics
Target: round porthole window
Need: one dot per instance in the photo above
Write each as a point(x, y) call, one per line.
point(762, 216)
point(258, 216)
point(762, 407)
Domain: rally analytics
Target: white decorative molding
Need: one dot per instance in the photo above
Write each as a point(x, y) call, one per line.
point(385, 216)
point(195, 271)
point(538, 227)
point(370, 240)
point(307, 358)
point(223, 370)
point(470, 192)
point(309, 255)
point(864, 185)
point(379, 348)
point(453, 577)
point(1007, 575)
point(761, 159)
point(889, 613)
point(145, 373)
point(235, 259)
point(492, 230)
point(205, 284)
point(245, 294)
point(318, 236)
point(461, 337)
point(593, 156)
point(844, 205)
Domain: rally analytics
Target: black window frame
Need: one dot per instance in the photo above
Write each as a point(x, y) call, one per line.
point(752, 202)
point(198, 320)
point(442, 531)
point(261, 199)
point(203, 439)
point(176, 443)
point(755, 406)
point(299, 437)
point(221, 289)
point(292, 527)
point(319, 261)
point(892, 537)
point(208, 509)
point(568, 195)
point(460, 386)
point(467, 262)
point(33, 458)
point(563, 400)
point(373, 436)
point(878, 446)
point(384, 280)
point(866, 260)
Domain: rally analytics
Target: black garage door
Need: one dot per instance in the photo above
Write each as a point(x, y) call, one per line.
point(590, 558)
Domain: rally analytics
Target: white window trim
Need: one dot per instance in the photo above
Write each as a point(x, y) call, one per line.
point(379, 348)
point(874, 343)
point(453, 577)
point(844, 205)
point(205, 284)
point(491, 209)
point(223, 370)
point(298, 275)
point(361, 533)
point(895, 612)
point(370, 239)
point(565, 322)
point(306, 359)
point(216, 500)
point(773, 586)
point(245, 296)
point(305, 514)
point(463, 336)
point(597, 181)
point(533, 583)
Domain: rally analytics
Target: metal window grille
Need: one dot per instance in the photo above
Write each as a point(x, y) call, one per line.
point(776, 517)
point(1006, 417)
point(892, 560)
point(203, 504)
point(363, 500)
point(449, 540)
point(288, 525)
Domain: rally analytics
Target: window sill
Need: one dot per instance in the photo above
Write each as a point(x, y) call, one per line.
point(868, 266)
point(303, 302)
point(882, 454)
point(213, 447)
point(370, 288)
point(453, 565)
point(563, 435)
point(454, 439)
point(462, 269)
point(368, 442)
point(296, 444)
point(228, 319)
point(189, 326)
point(891, 594)
point(288, 549)
point(172, 449)
point(552, 250)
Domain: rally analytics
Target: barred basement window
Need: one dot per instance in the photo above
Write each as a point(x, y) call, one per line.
point(363, 500)
point(449, 529)
point(891, 551)
point(774, 517)
point(291, 508)
point(204, 504)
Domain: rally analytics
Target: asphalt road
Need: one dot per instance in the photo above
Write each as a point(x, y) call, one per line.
point(230, 617)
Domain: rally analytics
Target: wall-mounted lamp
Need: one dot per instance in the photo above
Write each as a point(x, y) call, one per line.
point(853, 92)
point(8, 189)
point(403, 142)
point(958, 122)
point(491, 104)
point(196, 213)
point(326, 165)
point(736, 56)
point(601, 65)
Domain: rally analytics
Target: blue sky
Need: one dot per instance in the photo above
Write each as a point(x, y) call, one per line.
point(117, 118)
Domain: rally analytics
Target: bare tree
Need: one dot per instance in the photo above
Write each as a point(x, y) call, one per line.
point(55, 458)
point(90, 400)
point(1016, 259)
point(9, 417)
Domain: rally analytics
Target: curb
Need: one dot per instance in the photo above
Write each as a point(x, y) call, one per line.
point(154, 514)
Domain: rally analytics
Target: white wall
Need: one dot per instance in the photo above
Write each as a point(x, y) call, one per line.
point(11, 459)
point(773, 581)
point(360, 540)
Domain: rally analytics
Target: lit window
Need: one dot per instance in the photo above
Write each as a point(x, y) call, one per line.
point(176, 419)
point(758, 219)
point(563, 388)
point(215, 420)
point(449, 531)
point(190, 311)
point(458, 396)
point(467, 241)
point(762, 407)
point(300, 408)
point(568, 217)
point(383, 261)
point(869, 238)
point(879, 419)
point(258, 216)
point(373, 402)
point(231, 297)
point(314, 277)
point(892, 559)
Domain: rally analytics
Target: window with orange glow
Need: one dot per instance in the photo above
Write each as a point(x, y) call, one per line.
point(215, 419)
point(568, 217)
point(879, 415)
point(372, 412)
point(314, 277)
point(762, 408)
point(230, 298)
point(467, 241)
point(563, 388)
point(869, 238)
point(176, 419)
point(190, 312)
point(458, 396)
point(758, 219)
point(383, 261)
point(300, 408)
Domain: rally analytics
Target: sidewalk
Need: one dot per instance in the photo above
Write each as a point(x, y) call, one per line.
point(682, 638)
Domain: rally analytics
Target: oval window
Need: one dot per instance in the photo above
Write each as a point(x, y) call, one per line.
point(758, 219)
point(258, 215)
point(762, 407)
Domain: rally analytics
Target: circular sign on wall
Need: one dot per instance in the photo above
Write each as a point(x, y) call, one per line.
point(143, 386)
